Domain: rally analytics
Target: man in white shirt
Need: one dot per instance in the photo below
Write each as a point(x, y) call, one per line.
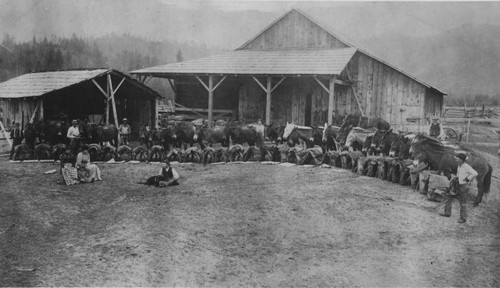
point(74, 136)
point(465, 175)
point(124, 131)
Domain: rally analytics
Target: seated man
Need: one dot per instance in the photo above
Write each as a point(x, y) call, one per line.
point(168, 176)
point(436, 128)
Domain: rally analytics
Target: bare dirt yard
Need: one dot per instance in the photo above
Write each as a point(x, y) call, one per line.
point(238, 225)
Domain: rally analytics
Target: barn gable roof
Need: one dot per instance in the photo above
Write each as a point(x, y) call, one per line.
point(41, 83)
point(300, 31)
point(268, 61)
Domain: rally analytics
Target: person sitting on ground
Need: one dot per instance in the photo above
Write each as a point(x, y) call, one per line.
point(92, 172)
point(69, 173)
point(167, 176)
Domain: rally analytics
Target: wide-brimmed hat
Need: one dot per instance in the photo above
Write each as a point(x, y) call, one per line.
point(125, 119)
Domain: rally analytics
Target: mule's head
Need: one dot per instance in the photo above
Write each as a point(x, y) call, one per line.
point(395, 145)
point(288, 130)
point(367, 144)
point(325, 128)
point(350, 139)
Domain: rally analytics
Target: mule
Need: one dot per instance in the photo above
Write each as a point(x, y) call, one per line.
point(274, 133)
point(365, 122)
point(30, 135)
point(356, 138)
point(384, 144)
point(186, 133)
point(442, 158)
point(344, 130)
point(241, 134)
point(56, 131)
point(295, 134)
point(101, 134)
point(329, 136)
point(214, 135)
point(367, 149)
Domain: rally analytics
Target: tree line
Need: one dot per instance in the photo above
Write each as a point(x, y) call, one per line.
point(121, 52)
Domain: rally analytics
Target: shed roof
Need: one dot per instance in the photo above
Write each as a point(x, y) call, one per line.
point(261, 62)
point(40, 83)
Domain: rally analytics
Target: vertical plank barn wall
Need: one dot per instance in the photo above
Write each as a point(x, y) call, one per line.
point(386, 93)
point(17, 110)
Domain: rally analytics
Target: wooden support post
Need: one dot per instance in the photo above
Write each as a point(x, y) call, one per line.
point(33, 116)
point(210, 100)
point(331, 93)
point(110, 84)
point(268, 101)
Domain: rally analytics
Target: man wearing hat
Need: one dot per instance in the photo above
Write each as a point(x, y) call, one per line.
point(168, 176)
point(124, 131)
point(436, 129)
point(465, 175)
point(74, 136)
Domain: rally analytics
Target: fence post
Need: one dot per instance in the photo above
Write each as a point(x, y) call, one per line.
point(468, 128)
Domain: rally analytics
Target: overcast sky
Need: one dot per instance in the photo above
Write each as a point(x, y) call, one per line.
point(229, 23)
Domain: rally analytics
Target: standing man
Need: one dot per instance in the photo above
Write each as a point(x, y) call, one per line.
point(465, 174)
point(17, 138)
point(124, 131)
point(73, 136)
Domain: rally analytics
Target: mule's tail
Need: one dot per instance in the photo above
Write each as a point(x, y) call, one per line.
point(487, 180)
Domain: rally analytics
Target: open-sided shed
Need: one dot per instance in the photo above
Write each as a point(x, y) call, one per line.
point(106, 93)
point(296, 70)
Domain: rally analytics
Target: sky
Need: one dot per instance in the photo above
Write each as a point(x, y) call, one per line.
point(229, 23)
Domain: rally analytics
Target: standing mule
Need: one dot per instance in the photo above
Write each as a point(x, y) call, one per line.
point(295, 134)
point(329, 137)
point(186, 133)
point(442, 158)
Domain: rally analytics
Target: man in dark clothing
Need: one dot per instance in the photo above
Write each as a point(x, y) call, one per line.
point(168, 176)
point(17, 137)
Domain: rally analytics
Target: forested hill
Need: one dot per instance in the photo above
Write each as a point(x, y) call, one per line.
point(463, 62)
point(121, 52)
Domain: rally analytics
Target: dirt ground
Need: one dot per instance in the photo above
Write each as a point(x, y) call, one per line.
point(245, 224)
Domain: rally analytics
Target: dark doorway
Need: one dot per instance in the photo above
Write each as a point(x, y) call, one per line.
point(308, 109)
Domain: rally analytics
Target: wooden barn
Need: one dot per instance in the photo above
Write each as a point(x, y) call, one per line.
point(102, 95)
point(296, 70)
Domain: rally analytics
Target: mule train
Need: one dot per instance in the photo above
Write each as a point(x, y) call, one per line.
point(373, 149)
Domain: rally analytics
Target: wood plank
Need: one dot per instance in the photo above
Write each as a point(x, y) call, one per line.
point(185, 109)
point(322, 85)
point(268, 100)
point(210, 100)
point(260, 84)
point(120, 84)
point(202, 83)
point(113, 103)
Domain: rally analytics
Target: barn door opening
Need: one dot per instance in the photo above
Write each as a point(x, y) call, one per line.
point(308, 109)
